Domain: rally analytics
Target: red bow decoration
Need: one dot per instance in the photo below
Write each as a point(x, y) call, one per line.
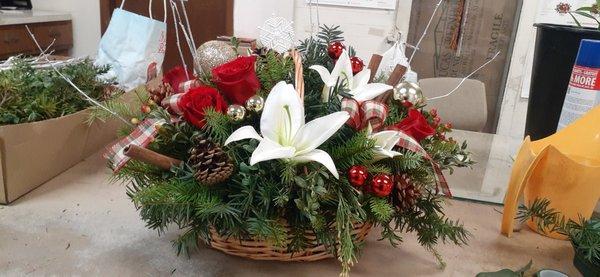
point(365, 113)
point(374, 113)
point(171, 103)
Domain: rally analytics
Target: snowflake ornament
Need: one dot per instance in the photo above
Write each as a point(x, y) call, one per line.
point(277, 33)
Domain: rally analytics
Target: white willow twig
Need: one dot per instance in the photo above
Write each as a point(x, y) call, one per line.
point(416, 48)
point(187, 75)
point(465, 78)
point(87, 97)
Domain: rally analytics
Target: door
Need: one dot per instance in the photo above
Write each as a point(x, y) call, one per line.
point(208, 19)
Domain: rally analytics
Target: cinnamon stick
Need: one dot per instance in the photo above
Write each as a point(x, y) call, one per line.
point(393, 80)
point(374, 65)
point(150, 157)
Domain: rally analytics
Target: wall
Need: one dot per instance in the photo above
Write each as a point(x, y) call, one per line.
point(365, 29)
point(86, 22)
point(514, 107)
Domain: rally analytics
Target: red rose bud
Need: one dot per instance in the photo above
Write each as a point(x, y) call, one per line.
point(176, 76)
point(237, 79)
point(194, 103)
point(415, 125)
point(433, 112)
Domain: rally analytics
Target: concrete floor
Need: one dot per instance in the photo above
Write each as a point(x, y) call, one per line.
point(79, 224)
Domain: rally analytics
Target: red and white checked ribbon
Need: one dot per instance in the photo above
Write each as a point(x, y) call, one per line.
point(141, 136)
point(365, 113)
point(409, 143)
point(171, 103)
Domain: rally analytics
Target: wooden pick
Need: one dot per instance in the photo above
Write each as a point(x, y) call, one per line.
point(374, 65)
point(393, 80)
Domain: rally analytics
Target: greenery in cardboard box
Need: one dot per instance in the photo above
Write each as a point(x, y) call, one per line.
point(29, 94)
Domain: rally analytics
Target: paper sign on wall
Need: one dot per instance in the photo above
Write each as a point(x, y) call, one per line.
point(547, 13)
point(372, 4)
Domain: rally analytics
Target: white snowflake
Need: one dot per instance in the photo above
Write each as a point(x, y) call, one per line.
point(277, 33)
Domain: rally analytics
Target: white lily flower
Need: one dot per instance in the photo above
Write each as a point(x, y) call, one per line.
point(384, 144)
point(284, 133)
point(358, 85)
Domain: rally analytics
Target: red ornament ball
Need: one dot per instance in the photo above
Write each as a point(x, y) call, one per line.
point(381, 185)
point(335, 49)
point(145, 109)
point(357, 175)
point(357, 65)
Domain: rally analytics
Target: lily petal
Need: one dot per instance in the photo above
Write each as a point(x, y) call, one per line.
point(381, 154)
point(343, 71)
point(362, 78)
point(246, 132)
point(269, 150)
point(385, 138)
point(325, 75)
point(369, 91)
point(314, 133)
point(321, 157)
point(283, 114)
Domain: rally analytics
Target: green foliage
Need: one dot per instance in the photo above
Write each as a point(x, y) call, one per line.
point(274, 68)
point(30, 94)
point(584, 233)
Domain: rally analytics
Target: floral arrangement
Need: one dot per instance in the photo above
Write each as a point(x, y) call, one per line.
point(271, 147)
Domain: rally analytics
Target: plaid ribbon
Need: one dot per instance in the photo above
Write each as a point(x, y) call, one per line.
point(187, 85)
point(141, 136)
point(409, 143)
point(365, 113)
point(171, 103)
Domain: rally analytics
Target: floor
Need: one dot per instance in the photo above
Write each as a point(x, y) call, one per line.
point(80, 224)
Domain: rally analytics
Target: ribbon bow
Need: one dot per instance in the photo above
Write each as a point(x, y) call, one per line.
point(365, 113)
point(374, 113)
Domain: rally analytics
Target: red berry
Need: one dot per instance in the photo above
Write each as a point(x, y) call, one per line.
point(357, 65)
point(145, 109)
point(335, 49)
point(448, 126)
point(381, 185)
point(357, 175)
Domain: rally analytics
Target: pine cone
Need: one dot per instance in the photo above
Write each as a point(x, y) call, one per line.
point(159, 94)
point(407, 192)
point(211, 163)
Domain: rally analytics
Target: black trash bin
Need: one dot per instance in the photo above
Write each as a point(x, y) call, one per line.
point(556, 49)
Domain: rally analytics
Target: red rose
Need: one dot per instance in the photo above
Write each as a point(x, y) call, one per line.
point(196, 100)
point(237, 79)
point(176, 76)
point(415, 125)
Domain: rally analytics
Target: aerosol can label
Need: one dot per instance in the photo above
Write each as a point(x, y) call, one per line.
point(583, 94)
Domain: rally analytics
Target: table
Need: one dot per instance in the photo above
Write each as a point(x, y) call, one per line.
point(80, 224)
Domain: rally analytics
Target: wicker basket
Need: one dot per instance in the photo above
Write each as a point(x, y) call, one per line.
point(262, 250)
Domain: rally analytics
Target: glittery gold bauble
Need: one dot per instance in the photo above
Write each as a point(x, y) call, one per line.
point(255, 103)
point(236, 112)
point(409, 92)
point(212, 54)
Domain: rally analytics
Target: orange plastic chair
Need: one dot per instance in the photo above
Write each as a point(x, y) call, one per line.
point(563, 168)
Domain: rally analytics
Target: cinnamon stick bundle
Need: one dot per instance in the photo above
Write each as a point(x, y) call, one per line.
point(150, 157)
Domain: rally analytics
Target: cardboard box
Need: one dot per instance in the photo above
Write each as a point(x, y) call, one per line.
point(464, 35)
point(33, 153)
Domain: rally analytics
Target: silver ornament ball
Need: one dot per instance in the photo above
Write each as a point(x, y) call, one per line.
point(255, 103)
point(212, 54)
point(236, 112)
point(409, 92)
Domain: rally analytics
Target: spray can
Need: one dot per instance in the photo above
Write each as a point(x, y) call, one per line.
point(583, 93)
